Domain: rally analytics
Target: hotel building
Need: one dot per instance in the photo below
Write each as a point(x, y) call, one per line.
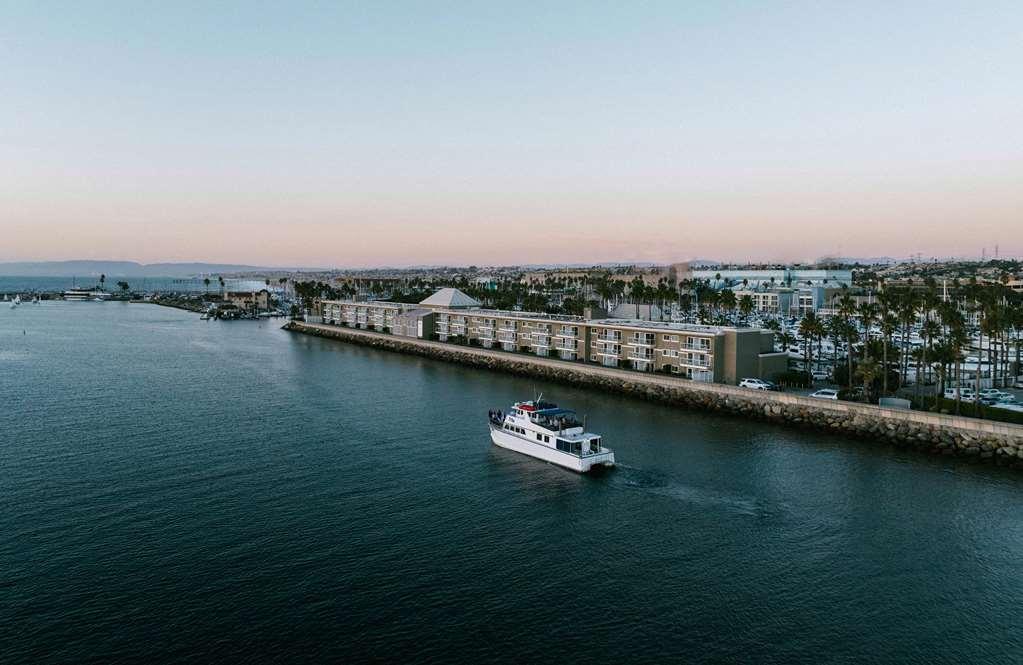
point(701, 353)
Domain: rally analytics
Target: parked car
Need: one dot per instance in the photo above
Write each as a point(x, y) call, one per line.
point(821, 376)
point(1007, 399)
point(991, 393)
point(966, 393)
point(826, 393)
point(1018, 384)
point(755, 384)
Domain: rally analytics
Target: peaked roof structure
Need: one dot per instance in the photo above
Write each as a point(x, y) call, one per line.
point(452, 298)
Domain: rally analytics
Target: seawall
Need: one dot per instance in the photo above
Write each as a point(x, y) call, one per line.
point(982, 440)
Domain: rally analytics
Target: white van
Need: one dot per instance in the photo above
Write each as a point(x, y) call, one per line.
point(967, 394)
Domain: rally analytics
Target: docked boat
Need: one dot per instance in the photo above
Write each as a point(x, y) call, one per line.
point(544, 431)
point(80, 295)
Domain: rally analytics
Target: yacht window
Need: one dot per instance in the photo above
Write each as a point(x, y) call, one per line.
point(539, 438)
point(546, 439)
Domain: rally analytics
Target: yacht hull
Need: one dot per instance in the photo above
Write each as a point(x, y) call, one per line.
point(548, 454)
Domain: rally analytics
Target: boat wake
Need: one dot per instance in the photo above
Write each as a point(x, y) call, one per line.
point(659, 484)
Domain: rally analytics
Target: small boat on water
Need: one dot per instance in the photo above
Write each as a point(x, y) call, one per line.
point(544, 431)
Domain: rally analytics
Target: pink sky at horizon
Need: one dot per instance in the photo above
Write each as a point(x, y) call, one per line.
point(654, 226)
point(557, 133)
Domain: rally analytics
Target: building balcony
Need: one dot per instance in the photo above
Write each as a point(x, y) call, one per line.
point(695, 347)
point(644, 357)
point(605, 337)
point(695, 362)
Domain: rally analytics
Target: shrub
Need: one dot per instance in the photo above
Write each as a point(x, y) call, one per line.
point(794, 379)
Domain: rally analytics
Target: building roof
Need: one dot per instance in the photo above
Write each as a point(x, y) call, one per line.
point(418, 312)
point(450, 298)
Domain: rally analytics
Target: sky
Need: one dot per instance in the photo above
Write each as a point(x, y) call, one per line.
point(407, 133)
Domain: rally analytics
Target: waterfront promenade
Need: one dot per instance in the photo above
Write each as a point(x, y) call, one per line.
point(997, 442)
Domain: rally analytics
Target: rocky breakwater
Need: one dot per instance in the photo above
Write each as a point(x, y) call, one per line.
point(988, 441)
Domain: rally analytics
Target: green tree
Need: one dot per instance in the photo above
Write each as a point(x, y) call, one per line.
point(746, 307)
point(868, 370)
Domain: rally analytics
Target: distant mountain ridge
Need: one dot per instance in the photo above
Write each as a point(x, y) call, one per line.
point(83, 268)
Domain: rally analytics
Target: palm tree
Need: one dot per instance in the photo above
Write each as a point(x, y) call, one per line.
point(846, 311)
point(868, 316)
point(727, 299)
point(907, 307)
point(809, 327)
point(889, 323)
point(868, 370)
point(102, 281)
point(746, 307)
point(929, 330)
point(836, 329)
point(206, 283)
point(956, 340)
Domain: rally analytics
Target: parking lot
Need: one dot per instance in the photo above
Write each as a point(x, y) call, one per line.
point(908, 392)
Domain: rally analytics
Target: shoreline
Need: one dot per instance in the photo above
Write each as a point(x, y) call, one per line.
point(931, 433)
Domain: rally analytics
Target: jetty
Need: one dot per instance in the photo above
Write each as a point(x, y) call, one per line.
point(934, 433)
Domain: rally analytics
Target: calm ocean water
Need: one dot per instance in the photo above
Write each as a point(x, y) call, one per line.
point(173, 490)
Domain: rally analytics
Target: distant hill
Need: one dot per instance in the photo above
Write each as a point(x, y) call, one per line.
point(125, 269)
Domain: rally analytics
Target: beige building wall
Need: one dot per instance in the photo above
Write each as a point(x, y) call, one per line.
point(700, 353)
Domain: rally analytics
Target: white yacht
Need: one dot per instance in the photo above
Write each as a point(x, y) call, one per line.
point(542, 430)
point(83, 294)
